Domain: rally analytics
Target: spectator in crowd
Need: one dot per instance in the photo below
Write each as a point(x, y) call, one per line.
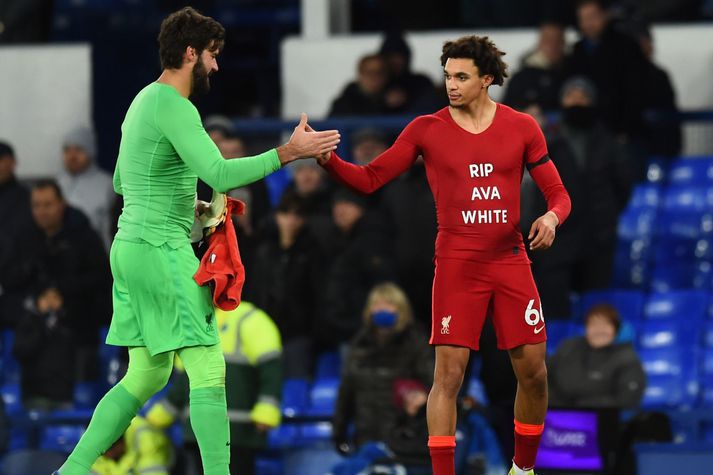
point(309, 183)
point(406, 442)
point(388, 348)
point(15, 216)
point(365, 96)
point(62, 267)
point(253, 381)
point(595, 371)
point(222, 131)
point(367, 144)
point(407, 204)
point(595, 168)
point(663, 129)
point(285, 281)
point(616, 65)
point(142, 449)
point(359, 258)
point(541, 73)
point(84, 185)
point(405, 91)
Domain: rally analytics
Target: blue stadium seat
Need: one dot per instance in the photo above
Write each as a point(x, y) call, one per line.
point(636, 223)
point(663, 391)
point(284, 436)
point(276, 184)
point(328, 365)
point(557, 331)
point(669, 249)
point(323, 397)
point(316, 432)
point(86, 395)
point(657, 170)
point(269, 466)
point(687, 199)
point(61, 438)
point(670, 276)
point(707, 392)
point(689, 304)
point(630, 274)
point(684, 224)
point(25, 462)
point(476, 390)
point(629, 303)
point(708, 335)
point(295, 397)
point(666, 362)
point(10, 367)
point(12, 398)
point(646, 195)
point(691, 172)
point(707, 367)
point(668, 334)
point(312, 460)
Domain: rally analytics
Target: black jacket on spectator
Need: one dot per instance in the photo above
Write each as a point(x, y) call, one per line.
point(368, 376)
point(15, 215)
point(410, 222)
point(358, 261)
point(663, 130)
point(582, 376)
point(352, 101)
point(617, 67)
point(73, 261)
point(286, 282)
point(45, 349)
point(596, 172)
point(408, 439)
point(535, 85)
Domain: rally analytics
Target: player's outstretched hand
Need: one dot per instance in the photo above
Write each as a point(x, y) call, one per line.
point(543, 231)
point(323, 158)
point(305, 143)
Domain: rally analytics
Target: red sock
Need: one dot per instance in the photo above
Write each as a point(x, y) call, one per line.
point(443, 453)
point(527, 440)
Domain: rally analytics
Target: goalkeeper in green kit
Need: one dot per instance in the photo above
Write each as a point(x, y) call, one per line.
point(158, 308)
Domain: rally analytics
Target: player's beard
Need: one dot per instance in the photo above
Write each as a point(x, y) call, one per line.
point(200, 79)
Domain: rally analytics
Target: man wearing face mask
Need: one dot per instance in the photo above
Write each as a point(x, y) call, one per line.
point(597, 171)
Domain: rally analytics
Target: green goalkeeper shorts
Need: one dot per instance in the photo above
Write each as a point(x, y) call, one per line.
point(157, 304)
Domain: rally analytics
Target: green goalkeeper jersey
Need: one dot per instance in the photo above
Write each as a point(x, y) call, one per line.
point(164, 148)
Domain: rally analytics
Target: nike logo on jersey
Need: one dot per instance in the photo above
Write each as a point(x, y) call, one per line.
point(538, 330)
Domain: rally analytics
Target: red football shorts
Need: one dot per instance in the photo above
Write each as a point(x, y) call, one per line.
point(464, 291)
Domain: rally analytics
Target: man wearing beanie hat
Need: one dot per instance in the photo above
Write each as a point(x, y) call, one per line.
point(84, 185)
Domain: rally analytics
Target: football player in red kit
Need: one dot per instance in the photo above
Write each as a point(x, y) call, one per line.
point(475, 152)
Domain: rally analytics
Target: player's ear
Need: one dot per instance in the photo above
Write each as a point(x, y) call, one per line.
point(487, 80)
point(190, 54)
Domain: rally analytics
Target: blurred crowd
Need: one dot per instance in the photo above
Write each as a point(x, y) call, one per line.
point(329, 270)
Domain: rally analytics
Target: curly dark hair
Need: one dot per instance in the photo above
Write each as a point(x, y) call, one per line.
point(486, 56)
point(184, 28)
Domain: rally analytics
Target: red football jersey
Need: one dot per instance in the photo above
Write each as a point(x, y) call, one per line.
point(475, 180)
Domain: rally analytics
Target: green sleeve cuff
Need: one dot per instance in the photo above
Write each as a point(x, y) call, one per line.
point(266, 413)
point(274, 159)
